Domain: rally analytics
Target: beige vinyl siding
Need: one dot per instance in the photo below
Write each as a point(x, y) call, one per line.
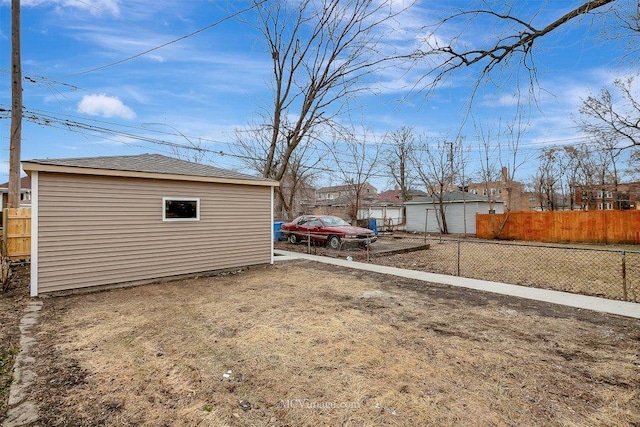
point(96, 230)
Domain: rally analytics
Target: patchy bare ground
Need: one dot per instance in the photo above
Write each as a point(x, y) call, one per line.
point(301, 344)
point(585, 269)
point(12, 305)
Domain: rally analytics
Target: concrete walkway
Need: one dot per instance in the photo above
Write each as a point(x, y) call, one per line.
point(21, 411)
point(620, 308)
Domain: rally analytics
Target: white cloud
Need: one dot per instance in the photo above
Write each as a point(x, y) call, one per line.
point(501, 101)
point(106, 106)
point(95, 7)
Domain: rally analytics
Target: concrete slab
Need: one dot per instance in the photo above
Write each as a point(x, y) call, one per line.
point(23, 412)
point(620, 308)
point(21, 415)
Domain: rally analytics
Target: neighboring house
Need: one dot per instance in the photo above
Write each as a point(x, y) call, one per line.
point(337, 192)
point(460, 212)
point(394, 196)
point(624, 196)
point(340, 200)
point(25, 192)
point(303, 197)
point(135, 219)
point(389, 209)
point(498, 192)
point(388, 216)
point(533, 201)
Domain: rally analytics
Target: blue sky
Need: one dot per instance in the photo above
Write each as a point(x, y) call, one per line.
point(205, 86)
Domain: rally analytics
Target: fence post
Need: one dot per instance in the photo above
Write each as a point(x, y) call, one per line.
point(458, 257)
point(368, 246)
point(5, 226)
point(426, 221)
point(624, 276)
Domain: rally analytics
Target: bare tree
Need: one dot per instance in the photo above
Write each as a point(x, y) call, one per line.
point(296, 192)
point(611, 122)
point(192, 151)
point(435, 162)
point(499, 162)
point(397, 159)
point(548, 178)
point(355, 160)
point(489, 166)
point(322, 52)
point(573, 167)
point(588, 170)
point(300, 171)
point(514, 40)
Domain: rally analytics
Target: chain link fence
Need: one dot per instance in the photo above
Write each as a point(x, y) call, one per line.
point(603, 272)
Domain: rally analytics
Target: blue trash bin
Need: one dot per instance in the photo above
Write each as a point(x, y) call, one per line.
point(277, 235)
point(373, 225)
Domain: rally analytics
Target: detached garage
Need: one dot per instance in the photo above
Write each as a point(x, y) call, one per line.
point(460, 211)
point(134, 219)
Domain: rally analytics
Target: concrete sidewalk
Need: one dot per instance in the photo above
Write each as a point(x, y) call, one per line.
point(620, 308)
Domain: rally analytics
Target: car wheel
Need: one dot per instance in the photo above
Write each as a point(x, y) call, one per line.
point(333, 242)
point(293, 239)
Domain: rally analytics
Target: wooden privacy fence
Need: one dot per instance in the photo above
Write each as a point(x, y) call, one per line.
point(16, 233)
point(564, 226)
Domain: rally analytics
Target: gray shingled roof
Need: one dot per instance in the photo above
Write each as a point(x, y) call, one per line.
point(450, 197)
point(151, 163)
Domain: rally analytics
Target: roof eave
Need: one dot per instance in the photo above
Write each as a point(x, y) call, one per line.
point(39, 167)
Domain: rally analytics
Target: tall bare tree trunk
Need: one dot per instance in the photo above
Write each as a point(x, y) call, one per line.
point(16, 108)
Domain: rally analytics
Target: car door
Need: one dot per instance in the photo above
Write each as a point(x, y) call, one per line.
point(314, 229)
point(299, 228)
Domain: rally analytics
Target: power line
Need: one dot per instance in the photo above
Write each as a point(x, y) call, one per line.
point(472, 144)
point(48, 119)
point(226, 18)
point(79, 127)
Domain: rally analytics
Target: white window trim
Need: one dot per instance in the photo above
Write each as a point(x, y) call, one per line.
point(179, 199)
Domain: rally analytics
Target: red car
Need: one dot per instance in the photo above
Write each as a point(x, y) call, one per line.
point(326, 229)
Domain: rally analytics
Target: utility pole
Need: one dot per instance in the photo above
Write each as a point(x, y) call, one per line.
point(16, 108)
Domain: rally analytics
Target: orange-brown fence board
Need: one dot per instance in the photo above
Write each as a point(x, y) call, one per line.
point(17, 233)
point(564, 226)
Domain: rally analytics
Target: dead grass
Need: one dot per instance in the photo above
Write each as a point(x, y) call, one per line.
point(12, 303)
point(584, 269)
point(305, 346)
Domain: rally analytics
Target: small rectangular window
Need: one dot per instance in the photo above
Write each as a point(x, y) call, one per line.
point(180, 209)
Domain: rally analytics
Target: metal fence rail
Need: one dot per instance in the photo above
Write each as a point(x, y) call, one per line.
point(604, 272)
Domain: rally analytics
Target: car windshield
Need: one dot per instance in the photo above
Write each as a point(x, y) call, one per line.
point(334, 221)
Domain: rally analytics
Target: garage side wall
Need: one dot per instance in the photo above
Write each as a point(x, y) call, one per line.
point(96, 231)
point(417, 215)
point(454, 212)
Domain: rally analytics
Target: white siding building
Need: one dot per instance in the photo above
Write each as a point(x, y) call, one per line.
point(460, 212)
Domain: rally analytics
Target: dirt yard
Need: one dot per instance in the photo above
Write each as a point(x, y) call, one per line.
point(584, 269)
point(12, 305)
point(301, 344)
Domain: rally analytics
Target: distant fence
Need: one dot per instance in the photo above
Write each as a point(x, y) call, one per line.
point(606, 272)
point(16, 233)
point(564, 226)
